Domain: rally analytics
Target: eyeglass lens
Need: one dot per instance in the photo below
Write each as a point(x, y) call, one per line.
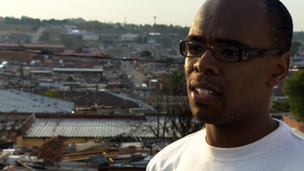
point(223, 52)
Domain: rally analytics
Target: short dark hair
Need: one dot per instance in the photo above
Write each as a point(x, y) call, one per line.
point(281, 27)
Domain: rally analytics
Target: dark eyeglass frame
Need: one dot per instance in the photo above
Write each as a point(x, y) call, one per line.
point(244, 52)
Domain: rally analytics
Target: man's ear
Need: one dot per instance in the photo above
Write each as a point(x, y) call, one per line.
point(280, 69)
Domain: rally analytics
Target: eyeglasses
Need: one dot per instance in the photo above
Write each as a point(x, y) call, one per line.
point(223, 52)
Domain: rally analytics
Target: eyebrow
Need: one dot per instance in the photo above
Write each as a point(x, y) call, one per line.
point(196, 38)
point(218, 40)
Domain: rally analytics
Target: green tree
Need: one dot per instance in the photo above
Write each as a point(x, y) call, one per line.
point(294, 89)
point(145, 53)
point(294, 48)
point(165, 41)
point(27, 39)
point(173, 83)
point(45, 36)
point(50, 93)
point(277, 107)
point(78, 49)
point(168, 59)
point(67, 42)
point(172, 52)
point(70, 78)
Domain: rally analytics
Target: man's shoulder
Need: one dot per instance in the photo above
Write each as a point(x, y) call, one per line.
point(296, 140)
point(295, 137)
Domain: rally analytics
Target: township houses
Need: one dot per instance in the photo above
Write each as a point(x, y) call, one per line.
point(83, 128)
point(49, 48)
point(43, 113)
point(25, 53)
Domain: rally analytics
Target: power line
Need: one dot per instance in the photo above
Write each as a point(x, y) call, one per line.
point(99, 57)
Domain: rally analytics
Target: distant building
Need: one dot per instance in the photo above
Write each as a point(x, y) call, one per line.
point(90, 36)
point(129, 37)
point(13, 56)
point(86, 72)
point(75, 31)
point(49, 48)
point(69, 27)
point(56, 27)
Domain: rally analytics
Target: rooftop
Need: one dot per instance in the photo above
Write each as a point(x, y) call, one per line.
point(24, 102)
point(40, 126)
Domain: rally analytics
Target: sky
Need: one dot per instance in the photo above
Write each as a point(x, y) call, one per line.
point(175, 12)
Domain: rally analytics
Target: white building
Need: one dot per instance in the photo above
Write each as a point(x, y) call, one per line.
point(129, 37)
point(90, 36)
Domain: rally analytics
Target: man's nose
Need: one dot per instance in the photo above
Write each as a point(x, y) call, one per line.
point(206, 64)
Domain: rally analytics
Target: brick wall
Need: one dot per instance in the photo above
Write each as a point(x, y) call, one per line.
point(16, 56)
point(51, 149)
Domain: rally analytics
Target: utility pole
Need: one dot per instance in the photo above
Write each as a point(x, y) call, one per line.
point(154, 20)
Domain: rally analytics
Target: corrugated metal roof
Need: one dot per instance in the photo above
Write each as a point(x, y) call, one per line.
point(24, 102)
point(67, 127)
point(82, 99)
point(32, 45)
point(77, 69)
point(139, 102)
point(94, 127)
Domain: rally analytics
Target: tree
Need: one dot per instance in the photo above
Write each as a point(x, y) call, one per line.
point(182, 121)
point(173, 119)
point(67, 42)
point(70, 78)
point(294, 48)
point(277, 107)
point(145, 53)
point(156, 125)
point(294, 89)
point(50, 93)
point(165, 41)
point(45, 36)
point(169, 61)
point(27, 39)
point(78, 49)
point(172, 52)
point(173, 83)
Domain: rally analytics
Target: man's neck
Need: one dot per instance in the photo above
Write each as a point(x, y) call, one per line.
point(239, 134)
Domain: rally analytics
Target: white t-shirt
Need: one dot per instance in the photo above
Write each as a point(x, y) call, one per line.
point(281, 150)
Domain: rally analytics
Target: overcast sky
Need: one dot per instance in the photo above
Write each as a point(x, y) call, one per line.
point(176, 12)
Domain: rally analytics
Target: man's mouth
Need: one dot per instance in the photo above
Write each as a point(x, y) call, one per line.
point(204, 92)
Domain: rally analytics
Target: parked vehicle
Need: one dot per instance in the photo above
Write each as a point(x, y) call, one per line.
point(144, 87)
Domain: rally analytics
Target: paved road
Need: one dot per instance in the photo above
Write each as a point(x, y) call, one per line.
point(129, 68)
point(35, 37)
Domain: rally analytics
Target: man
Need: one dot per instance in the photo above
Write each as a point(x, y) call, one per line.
point(235, 53)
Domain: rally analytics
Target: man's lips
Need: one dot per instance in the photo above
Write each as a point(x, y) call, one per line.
point(203, 89)
point(203, 93)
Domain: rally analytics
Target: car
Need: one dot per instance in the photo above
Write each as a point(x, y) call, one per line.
point(137, 87)
point(135, 92)
point(142, 96)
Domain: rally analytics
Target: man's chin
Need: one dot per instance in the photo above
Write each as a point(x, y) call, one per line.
point(208, 118)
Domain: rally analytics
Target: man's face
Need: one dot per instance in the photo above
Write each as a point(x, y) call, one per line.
point(220, 92)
